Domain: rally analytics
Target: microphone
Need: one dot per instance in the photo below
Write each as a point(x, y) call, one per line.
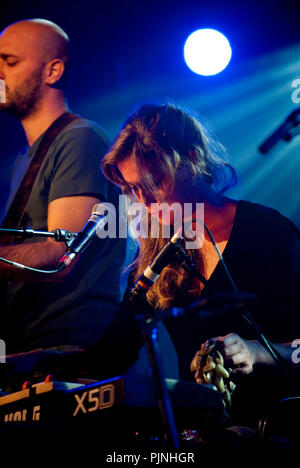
point(282, 132)
point(152, 272)
point(85, 236)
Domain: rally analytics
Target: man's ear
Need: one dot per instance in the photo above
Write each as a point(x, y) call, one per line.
point(54, 71)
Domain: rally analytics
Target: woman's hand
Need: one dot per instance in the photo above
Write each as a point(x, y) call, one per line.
point(239, 354)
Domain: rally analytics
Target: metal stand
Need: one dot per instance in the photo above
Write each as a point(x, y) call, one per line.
point(59, 235)
point(148, 327)
point(286, 131)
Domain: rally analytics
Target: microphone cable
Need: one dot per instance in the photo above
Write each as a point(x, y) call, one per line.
point(27, 268)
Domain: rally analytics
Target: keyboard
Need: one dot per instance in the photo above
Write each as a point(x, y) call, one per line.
point(118, 408)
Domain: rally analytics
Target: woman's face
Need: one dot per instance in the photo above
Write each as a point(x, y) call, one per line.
point(130, 174)
point(181, 193)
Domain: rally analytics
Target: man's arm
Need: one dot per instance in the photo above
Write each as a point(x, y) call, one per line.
point(70, 213)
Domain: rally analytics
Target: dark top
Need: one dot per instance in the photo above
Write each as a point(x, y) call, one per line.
point(263, 257)
point(77, 310)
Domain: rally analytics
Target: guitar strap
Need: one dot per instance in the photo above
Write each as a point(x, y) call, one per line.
point(15, 213)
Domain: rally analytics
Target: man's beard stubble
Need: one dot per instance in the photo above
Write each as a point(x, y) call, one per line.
point(24, 100)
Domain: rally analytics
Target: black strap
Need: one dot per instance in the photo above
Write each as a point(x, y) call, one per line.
point(16, 210)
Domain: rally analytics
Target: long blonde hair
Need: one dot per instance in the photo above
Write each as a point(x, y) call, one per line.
point(165, 140)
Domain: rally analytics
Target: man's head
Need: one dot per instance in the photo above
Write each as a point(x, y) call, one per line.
point(34, 58)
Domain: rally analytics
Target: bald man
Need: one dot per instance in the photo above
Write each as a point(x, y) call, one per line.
point(74, 307)
point(34, 61)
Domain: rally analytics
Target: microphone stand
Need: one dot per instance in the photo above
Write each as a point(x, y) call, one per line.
point(58, 235)
point(286, 131)
point(148, 328)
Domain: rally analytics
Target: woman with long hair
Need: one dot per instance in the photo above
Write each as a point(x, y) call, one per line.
point(163, 155)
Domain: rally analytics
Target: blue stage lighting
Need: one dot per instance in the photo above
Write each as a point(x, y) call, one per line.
point(207, 52)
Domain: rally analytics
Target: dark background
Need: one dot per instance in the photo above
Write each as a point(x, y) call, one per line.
point(129, 52)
